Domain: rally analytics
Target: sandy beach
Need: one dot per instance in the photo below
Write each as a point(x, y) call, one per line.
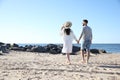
point(38, 66)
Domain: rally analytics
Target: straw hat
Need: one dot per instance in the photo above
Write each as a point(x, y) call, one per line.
point(68, 24)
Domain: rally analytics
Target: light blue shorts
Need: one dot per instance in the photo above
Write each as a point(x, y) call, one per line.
point(86, 45)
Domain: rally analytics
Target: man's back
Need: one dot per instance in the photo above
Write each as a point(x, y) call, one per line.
point(87, 33)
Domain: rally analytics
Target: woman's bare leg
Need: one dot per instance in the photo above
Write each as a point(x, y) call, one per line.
point(68, 57)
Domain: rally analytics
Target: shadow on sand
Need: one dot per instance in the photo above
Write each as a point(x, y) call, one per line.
point(110, 66)
point(62, 70)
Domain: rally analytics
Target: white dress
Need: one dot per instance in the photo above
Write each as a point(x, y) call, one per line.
point(67, 41)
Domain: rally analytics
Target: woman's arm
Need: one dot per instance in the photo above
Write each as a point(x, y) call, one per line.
point(74, 37)
point(62, 28)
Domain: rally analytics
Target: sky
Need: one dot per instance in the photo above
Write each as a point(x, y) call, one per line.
point(39, 21)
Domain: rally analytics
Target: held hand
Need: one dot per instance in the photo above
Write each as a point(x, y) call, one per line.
point(77, 41)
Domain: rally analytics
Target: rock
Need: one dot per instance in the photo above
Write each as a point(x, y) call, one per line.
point(47, 48)
point(22, 48)
point(50, 46)
point(8, 46)
point(53, 49)
point(4, 49)
point(102, 51)
point(15, 45)
point(2, 43)
point(97, 51)
point(39, 49)
point(94, 51)
point(60, 46)
point(28, 48)
point(17, 48)
point(75, 49)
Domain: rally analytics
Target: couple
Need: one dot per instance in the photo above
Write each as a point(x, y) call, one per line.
point(68, 36)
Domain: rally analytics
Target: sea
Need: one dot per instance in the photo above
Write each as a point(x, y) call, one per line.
point(110, 48)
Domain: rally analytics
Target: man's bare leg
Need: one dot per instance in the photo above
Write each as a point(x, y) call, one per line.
point(83, 56)
point(88, 56)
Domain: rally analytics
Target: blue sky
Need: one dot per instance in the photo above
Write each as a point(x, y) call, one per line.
point(39, 21)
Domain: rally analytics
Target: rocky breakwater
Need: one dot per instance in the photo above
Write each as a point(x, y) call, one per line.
point(50, 48)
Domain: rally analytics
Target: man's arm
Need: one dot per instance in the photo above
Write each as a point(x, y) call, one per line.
point(81, 36)
point(91, 36)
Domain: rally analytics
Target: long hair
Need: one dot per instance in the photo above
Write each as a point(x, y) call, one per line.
point(67, 31)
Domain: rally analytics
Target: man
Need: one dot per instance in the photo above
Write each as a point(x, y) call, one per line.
point(86, 36)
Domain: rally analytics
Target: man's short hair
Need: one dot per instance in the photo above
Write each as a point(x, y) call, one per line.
point(85, 20)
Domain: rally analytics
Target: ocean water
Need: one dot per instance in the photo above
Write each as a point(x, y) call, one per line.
point(110, 48)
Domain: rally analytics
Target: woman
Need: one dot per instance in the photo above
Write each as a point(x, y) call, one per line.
point(68, 37)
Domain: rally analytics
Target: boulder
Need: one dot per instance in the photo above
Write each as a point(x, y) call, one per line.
point(39, 49)
point(102, 51)
point(94, 51)
point(50, 46)
point(53, 49)
point(76, 49)
point(8, 46)
point(28, 48)
point(47, 48)
point(17, 48)
point(60, 46)
point(97, 51)
point(15, 45)
point(4, 49)
point(2, 43)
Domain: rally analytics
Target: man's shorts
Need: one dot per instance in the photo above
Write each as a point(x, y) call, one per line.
point(86, 45)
